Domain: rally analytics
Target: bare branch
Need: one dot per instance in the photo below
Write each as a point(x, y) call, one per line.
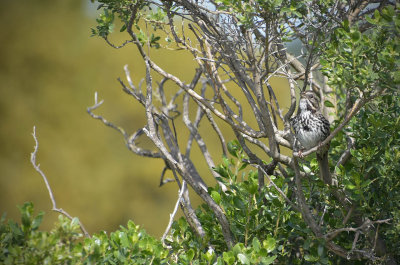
point(97, 117)
point(304, 208)
point(277, 156)
point(182, 164)
point(365, 226)
point(53, 201)
point(172, 215)
point(346, 154)
point(117, 46)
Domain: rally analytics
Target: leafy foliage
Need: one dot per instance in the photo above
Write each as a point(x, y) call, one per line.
point(368, 60)
point(371, 177)
point(25, 244)
point(122, 9)
point(269, 232)
point(262, 216)
point(267, 229)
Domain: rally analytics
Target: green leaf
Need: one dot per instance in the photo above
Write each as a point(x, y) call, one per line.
point(314, 163)
point(190, 254)
point(306, 169)
point(232, 148)
point(220, 170)
point(386, 15)
point(226, 161)
point(328, 104)
point(239, 203)
point(15, 229)
point(256, 244)
point(216, 196)
point(37, 221)
point(26, 215)
point(320, 250)
point(269, 244)
point(228, 257)
point(308, 257)
point(252, 188)
point(377, 15)
point(238, 248)
point(243, 258)
point(307, 244)
point(371, 20)
point(243, 166)
point(346, 25)
point(124, 239)
point(75, 222)
point(123, 28)
point(356, 36)
point(268, 260)
point(350, 186)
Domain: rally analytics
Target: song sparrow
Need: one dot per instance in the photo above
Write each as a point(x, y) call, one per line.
point(311, 128)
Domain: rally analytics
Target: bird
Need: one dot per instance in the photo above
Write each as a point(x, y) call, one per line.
point(310, 129)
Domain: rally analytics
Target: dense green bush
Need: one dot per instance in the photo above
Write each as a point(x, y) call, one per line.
point(25, 244)
point(267, 228)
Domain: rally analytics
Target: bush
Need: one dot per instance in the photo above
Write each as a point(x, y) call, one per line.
point(265, 225)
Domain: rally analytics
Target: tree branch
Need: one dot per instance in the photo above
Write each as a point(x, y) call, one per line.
point(172, 215)
point(53, 201)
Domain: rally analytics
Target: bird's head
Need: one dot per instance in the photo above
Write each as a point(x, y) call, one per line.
point(308, 101)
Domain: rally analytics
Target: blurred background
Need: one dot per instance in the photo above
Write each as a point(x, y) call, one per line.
point(50, 68)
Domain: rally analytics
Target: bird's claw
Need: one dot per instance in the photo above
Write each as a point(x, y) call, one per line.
point(300, 153)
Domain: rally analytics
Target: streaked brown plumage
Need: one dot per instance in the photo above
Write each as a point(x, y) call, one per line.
point(311, 128)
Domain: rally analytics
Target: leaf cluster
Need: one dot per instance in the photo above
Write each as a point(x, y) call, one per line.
point(268, 230)
point(368, 60)
point(123, 10)
point(371, 177)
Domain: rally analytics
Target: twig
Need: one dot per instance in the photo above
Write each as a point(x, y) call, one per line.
point(117, 46)
point(364, 226)
point(194, 134)
point(348, 215)
point(94, 116)
point(53, 201)
point(294, 206)
point(172, 215)
point(346, 154)
point(301, 200)
point(277, 156)
point(353, 246)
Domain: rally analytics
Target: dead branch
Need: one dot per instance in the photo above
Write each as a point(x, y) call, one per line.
point(172, 215)
point(53, 201)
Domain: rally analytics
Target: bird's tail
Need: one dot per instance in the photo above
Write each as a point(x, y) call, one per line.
point(324, 168)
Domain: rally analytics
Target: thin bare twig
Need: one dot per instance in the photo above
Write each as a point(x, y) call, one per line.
point(365, 226)
point(53, 201)
point(294, 206)
point(96, 105)
point(172, 215)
